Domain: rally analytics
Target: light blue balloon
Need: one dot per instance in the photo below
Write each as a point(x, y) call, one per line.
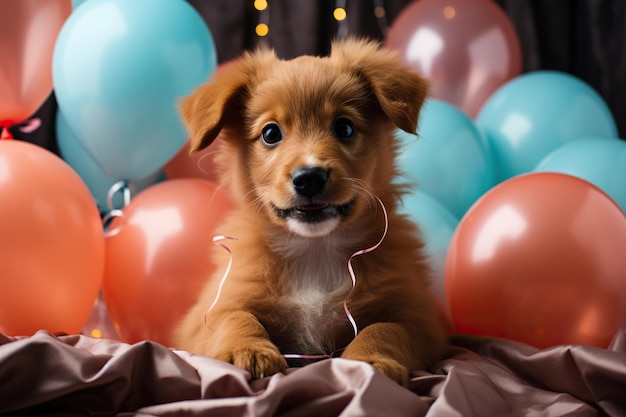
point(437, 225)
point(76, 3)
point(533, 114)
point(98, 182)
point(600, 161)
point(119, 69)
point(450, 160)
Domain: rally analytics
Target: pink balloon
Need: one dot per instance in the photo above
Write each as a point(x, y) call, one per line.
point(540, 259)
point(28, 31)
point(468, 48)
point(157, 256)
point(51, 243)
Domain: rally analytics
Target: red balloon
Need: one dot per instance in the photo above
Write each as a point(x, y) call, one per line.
point(51, 243)
point(28, 32)
point(540, 259)
point(157, 256)
point(468, 48)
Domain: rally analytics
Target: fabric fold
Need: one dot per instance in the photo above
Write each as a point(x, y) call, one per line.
point(78, 375)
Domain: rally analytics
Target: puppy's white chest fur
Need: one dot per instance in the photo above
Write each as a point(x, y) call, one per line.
point(317, 283)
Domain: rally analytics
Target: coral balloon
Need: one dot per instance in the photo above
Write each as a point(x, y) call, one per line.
point(532, 115)
point(158, 260)
point(468, 48)
point(197, 165)
point(450, 161)
point(119, 69)
point(28, 31)
point(51, 243)
point(540, 259)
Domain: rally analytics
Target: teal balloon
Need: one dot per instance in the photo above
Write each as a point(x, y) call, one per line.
point(533, 114)
point(600, 161)
point(437, 226)
point(76, 3)
point(449, 159)
point(98, 182)
point(119, 69)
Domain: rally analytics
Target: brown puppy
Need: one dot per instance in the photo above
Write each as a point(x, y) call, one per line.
point(307, 149)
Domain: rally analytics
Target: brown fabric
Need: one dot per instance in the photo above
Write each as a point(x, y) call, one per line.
point(78, 375)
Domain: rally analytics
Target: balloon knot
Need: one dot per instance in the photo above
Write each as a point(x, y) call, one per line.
point(6, 133)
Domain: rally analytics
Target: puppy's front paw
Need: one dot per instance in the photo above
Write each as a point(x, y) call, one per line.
point(392, 369)
point(259, 357)
point(389, 367)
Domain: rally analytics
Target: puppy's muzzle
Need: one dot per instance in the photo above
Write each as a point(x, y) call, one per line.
point(309, 181)
point(312, 214)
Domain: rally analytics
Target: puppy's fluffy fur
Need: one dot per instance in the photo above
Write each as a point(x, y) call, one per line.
point(305, 145)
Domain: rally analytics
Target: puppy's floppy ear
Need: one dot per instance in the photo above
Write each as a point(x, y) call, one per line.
point(399, 90)
point(218, 102)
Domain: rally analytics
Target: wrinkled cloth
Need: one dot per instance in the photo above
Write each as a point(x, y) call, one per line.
point(78, 375)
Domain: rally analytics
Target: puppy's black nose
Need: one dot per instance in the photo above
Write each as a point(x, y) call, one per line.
point(309, 181)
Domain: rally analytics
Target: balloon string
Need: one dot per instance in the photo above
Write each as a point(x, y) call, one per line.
point(320, 356)
point(124, 187)
point(201, 159)
point(106, 221)
point(218, 239)
point(346, 310)
point(351, 269)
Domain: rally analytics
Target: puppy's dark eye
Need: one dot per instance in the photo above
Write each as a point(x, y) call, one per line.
point(271, 134)
point(343, 128)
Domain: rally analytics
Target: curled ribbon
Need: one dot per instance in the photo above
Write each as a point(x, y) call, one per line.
point(218, 241)
point(126, 190)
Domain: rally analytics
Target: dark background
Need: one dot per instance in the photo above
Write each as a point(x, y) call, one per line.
point(586, 38)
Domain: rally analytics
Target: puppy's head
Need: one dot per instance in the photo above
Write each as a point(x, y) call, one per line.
point(309, 140)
